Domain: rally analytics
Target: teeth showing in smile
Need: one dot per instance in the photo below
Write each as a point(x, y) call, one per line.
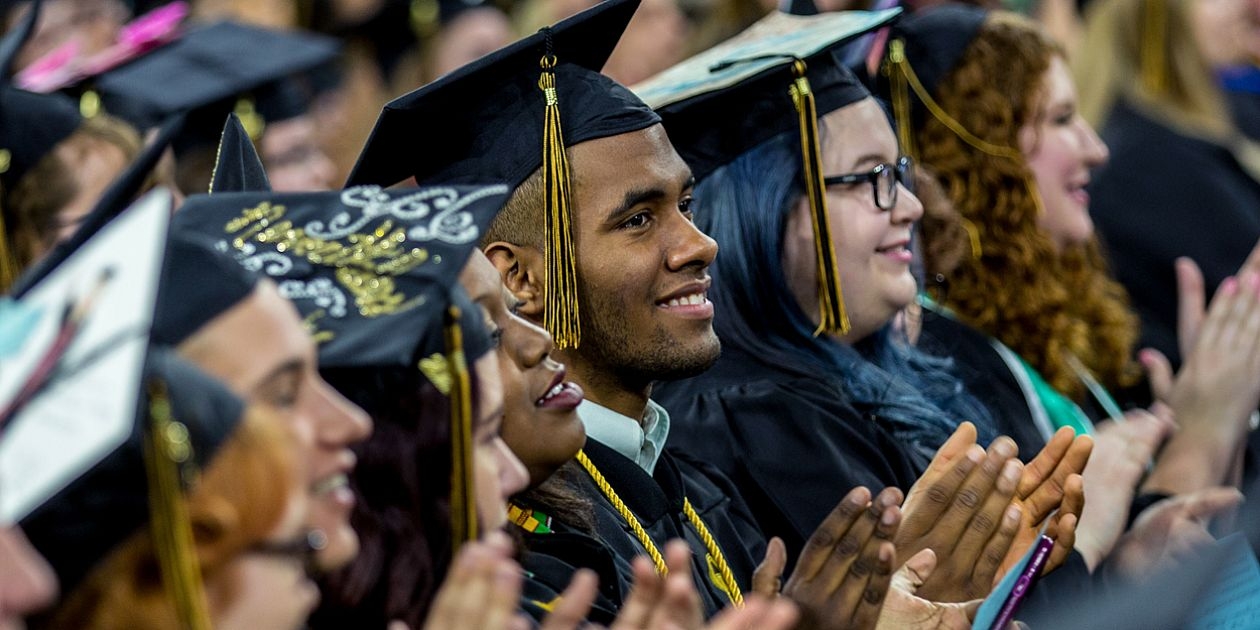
point(694, 299)
point(551, 393)
point(330, 483)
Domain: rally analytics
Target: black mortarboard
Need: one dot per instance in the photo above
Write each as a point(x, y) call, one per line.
point(237, 167)
point(779, 75)
point(506, 115)
point(217, 66)
point(374, 273)
point(198, 284)
point(82, 455)
point(78, 527)
point(922, 50)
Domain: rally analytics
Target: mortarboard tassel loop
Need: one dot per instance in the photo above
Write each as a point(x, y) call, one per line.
point(900, 93)
point(560, 315)
point(833, 318)
point(167, 450)
point(463, 503)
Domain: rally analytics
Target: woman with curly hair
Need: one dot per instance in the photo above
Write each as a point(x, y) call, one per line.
point(998, 125)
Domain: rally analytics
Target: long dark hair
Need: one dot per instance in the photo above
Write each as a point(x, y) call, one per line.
point(745, 206)
point(402, 511)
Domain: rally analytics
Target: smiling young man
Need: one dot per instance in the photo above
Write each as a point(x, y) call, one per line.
point(597, 244)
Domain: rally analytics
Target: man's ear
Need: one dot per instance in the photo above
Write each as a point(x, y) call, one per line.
point(523, 274)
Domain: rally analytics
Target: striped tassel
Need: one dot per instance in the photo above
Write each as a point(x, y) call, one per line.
point(560, 315)
point(833, 319)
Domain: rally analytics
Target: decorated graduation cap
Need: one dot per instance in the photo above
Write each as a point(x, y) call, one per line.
point(237, 167)
point(506, 115)
point(94, 444)
point(208, 71)
point(31, 126)
point(374, 274)
point(922, 51)
point(184, 416)
point(779, 75)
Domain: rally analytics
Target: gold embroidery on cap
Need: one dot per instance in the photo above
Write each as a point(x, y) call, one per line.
point(366, 262)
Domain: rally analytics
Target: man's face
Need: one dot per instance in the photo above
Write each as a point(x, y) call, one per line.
point(259, 349)
point(642, 265)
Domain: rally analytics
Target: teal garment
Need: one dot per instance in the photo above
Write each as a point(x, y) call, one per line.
point(1058, 410)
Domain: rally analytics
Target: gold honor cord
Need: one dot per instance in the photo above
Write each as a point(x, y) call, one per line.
point(8, 264)
point(715, 552)
point(833, 318)
point(167, 449)
point(560, 315)
point(463, 503)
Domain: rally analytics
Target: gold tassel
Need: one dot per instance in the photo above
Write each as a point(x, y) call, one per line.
point(251, 121)
point(166, 450)
point(463, 499)
point(833, 318)
point(1154, 54)
point(560, 315)
point(897, 81)
point(901, 66)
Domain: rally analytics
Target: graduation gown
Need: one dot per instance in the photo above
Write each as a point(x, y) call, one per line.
point(989, 378)
point(1164, 195)
point(792, 444)
point(657, 501)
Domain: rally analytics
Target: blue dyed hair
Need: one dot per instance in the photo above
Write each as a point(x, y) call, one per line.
point(745, 206)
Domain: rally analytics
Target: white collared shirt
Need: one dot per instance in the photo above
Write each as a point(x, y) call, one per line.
point(640, 442)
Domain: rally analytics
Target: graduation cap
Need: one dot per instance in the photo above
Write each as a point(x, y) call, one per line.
point(922, 50)
point(429, 16)
point(85, 458)
point(506, 115)
point(237, 167)
point(218, 67)
point(31, 126)
point(779, 75)
point(374, 273)
point(184, 416)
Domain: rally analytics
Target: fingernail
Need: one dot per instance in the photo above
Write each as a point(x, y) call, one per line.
point(1012, 514)
point(1229, 286)
point(886, 554)
point(975, 454)
point(1005, 448)
point(888, 518)
point(1010, 472)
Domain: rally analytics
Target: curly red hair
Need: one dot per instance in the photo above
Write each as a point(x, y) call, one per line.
point(1047, 305)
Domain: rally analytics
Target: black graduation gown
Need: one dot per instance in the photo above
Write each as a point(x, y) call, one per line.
point(792, 444)
point(549, 562)
point(1164, 195)
point(657, 501)
point(986, 376)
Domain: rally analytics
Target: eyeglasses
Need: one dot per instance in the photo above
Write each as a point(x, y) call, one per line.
point(303, 548)
point(883, 178)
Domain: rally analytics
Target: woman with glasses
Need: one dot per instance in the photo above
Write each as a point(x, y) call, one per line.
point(813, 394)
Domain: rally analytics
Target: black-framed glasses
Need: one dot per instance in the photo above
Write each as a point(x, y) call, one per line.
point(302, 548)
point(883, 178)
